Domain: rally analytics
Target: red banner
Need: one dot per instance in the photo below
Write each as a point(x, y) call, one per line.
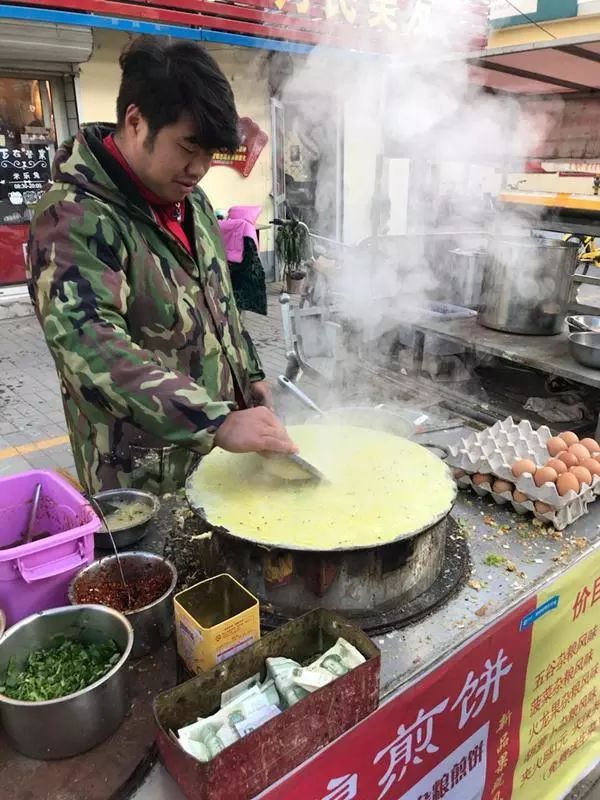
point(454, 735)
point(361, 24)
point(513, 715)
point(253, 141)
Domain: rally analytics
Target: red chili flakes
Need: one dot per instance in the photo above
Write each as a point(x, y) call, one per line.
point(106, 588)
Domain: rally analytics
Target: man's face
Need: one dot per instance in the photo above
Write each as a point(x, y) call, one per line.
point(171, 163)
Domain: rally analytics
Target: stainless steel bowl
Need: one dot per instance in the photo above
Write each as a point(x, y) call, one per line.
point(73, 724)
point(125, 535)
point(152, 624)
point(584, 323)
point(585, 348)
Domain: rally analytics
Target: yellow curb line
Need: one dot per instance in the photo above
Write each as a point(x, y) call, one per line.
point(33, 447)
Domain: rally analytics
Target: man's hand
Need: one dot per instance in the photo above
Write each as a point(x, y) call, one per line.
point(262, 394)
point(254, 430)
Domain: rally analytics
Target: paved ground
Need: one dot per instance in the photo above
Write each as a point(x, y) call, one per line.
point(32, 425)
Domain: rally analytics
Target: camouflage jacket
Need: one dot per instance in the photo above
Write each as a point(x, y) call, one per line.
point(147, 340)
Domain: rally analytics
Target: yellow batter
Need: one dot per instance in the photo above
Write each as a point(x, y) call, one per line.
point(381, 488)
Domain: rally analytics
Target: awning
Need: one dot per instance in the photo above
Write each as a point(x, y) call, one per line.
point(43, 47)
point(562, 66)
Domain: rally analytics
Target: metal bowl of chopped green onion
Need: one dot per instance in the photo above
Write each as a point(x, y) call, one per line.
point(63, 686)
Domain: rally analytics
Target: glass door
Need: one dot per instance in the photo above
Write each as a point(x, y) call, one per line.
point(28, 141)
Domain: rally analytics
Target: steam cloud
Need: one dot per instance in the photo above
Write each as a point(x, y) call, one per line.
point(417, 118)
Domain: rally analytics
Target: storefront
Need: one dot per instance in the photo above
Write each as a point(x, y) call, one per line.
point(324, 150)
point(37, 110)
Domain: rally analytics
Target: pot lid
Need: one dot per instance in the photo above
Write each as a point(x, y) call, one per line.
point(382, 488)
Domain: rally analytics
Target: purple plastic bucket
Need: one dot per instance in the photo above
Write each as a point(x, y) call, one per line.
point(36, 576)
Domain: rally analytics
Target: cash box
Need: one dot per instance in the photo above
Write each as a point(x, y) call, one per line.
point(263, 756)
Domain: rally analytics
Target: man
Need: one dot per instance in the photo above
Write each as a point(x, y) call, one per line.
point(130, 282)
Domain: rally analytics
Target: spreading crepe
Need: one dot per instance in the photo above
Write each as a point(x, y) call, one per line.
point(381, 487)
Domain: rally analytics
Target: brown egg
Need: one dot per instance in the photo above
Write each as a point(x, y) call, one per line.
point(592, 465)
point(545, 475)
point(500, 487)
point(556, 445)
point(591, 444)
point(459, 473)
point(479, 478)
point(579, 451)
point(569, 459)
point(567, 483)
point(543, 508)
point(569, 437)
point(557, 465)
point(582, 474)
point(519, 497)
point(522, 466)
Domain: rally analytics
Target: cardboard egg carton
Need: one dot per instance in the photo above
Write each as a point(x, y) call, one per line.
point(494, 450)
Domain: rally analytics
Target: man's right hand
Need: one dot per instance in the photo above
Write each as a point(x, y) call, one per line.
point(254, 430)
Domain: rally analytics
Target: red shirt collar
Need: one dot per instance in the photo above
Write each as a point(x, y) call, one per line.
point(147, 194)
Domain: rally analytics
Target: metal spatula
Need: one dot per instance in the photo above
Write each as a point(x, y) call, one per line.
point(292, 467)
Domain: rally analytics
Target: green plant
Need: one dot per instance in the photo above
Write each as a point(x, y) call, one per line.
point(290, 245)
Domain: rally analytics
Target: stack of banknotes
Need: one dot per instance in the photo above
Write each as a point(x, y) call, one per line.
point(251, 703)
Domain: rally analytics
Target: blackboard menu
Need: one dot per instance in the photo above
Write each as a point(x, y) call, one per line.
point(24, 175)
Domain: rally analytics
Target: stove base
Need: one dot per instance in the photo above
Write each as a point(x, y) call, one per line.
point(393, 615)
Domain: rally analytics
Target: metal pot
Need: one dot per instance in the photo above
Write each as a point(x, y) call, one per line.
point(73, 724)
point(153, 624)
point(465, 277)
point(526, 285)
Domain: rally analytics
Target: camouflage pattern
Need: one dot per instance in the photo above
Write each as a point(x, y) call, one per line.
point(147, 341)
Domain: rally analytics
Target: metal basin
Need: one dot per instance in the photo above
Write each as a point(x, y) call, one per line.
point(584, 323)
point(585, 348)
point(73, 724)
point(152, 624)
point(378, 419)
point(125, 535)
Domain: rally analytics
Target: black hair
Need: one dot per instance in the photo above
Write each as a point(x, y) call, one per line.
point(166, 78)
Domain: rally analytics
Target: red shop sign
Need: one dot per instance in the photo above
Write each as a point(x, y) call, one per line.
point(454, 735)
point(253, 142)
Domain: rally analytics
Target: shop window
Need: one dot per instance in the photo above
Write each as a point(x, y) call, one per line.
point(27, 147)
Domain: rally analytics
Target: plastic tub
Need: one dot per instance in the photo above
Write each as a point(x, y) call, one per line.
point(36, 576)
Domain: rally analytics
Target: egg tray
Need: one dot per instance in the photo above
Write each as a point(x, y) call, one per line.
point(494, 450)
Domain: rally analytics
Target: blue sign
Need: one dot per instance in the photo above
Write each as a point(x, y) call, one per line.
point(540, 611)
point(505, 16)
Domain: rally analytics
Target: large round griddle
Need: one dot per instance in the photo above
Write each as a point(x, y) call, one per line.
point(194, 498)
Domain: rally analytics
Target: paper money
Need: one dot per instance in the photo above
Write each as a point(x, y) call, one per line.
point(250, 704)
point(340, 659)
point(230, 694)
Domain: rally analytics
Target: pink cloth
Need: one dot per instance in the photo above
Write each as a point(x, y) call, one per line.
point(239, 224)
point(249, 213)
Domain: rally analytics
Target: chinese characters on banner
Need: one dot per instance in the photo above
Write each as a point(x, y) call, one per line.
point(403, 17)
point(24, 174)
point(561, 716)
point(514, 715)
point(253, 141)
point(452, 736)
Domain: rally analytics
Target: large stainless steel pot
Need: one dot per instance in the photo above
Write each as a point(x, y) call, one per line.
point(463, 287)
point(73, 724)
point(526, 285)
